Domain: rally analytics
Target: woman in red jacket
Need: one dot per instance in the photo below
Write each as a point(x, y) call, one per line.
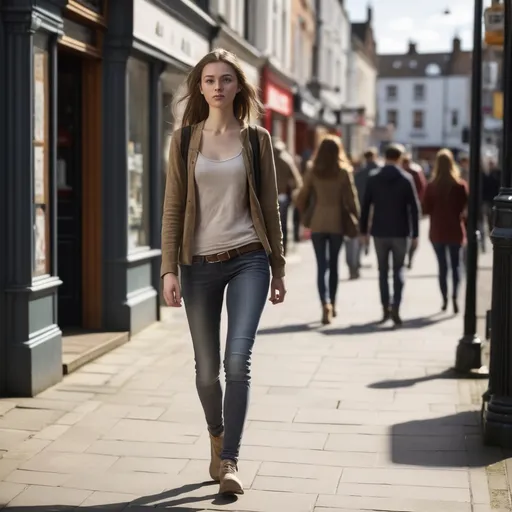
point(445, 200)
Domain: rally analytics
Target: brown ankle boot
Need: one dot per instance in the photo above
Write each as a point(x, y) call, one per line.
point(230, 483)
point(326, 314)
point(215, 450)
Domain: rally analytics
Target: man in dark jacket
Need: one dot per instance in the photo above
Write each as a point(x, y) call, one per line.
point(392, 194)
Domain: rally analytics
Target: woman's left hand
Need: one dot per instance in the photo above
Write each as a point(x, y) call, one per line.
point(277, 290)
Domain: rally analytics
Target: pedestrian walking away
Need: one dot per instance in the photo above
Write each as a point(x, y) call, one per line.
point(420, 182)
point(446, 200)
point(392, 194)
point(221, 228)
point(289, 180)
point(354, 248)
point(330, 208)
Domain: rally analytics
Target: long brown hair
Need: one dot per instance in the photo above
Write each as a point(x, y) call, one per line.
point(247, 105)
point(330, 157)
point(445, 173)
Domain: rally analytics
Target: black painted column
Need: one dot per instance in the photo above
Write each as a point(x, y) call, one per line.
point(118, 42)
point(3, 220)
point(33, 345)
point(498, 412)
point(468, 357)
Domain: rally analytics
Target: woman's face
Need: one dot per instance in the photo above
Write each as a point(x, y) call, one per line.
point(219, 85)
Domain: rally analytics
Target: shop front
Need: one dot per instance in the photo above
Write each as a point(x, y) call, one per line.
point(307, 111)
point(50, 131)
point(80, 140)
point(278, 101)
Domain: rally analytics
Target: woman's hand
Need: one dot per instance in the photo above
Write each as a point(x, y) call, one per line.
point(277, 290)
point(172, 292)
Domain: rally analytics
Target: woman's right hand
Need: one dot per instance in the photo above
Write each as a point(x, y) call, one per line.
point(172, 292)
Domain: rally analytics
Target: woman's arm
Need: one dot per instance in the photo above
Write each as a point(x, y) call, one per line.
point(270, 205)
point(426, 204)
point(304, 192)
point(350, 195)
point(174, 208)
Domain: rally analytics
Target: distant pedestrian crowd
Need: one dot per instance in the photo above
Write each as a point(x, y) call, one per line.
point(339, 202)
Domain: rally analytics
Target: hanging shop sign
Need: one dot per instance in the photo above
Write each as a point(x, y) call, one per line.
point(494, 17)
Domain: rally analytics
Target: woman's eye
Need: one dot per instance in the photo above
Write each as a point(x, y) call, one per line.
point(209, 81)
point(227, 79)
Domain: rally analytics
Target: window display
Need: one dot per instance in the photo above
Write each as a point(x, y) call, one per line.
point(41, 209)
point(138, 155)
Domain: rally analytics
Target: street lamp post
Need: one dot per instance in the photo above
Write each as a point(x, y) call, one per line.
point(468, 357)
point(498, 412)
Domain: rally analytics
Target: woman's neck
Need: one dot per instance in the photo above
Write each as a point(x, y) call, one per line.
point(220, 121)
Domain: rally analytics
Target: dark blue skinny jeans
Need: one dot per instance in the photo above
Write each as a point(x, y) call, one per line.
point(453, 252)
point(247, 279)
point(327, 250)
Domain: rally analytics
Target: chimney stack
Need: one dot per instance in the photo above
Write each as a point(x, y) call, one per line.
point(369, 15)
point(457, 44)
point(412, 48)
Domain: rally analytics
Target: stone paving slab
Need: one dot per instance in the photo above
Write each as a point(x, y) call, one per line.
point(349, 417)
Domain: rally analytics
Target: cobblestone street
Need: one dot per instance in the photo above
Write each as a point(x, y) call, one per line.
point(349, 417)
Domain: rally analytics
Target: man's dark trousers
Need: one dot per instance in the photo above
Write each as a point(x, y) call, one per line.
point(397, 248)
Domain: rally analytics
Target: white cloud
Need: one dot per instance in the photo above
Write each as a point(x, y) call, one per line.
point(403, 24)
point(391, 45)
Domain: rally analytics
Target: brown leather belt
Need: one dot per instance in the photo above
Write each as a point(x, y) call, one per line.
point(228, 255)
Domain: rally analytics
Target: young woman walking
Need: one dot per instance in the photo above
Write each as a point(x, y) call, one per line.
point(445, 200)
point(221, 226)
point(329, 206)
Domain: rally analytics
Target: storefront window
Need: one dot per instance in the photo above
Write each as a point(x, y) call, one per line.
point(41, 211)
point(138, 154)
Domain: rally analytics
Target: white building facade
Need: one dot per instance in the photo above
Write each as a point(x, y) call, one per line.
point(232, 18)
point(269, 30)
point(333, 60)
point(426, 97)
point(359, 119)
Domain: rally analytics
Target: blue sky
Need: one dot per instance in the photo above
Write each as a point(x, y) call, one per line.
point(398, 21)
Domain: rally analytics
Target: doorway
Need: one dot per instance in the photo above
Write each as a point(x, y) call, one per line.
point(69, 188)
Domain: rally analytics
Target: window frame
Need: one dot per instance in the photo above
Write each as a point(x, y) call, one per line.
point(42, 204)
point(395, 116)
point(145, 222)
point(389, 88)
point(416, 89)
point(418, 114)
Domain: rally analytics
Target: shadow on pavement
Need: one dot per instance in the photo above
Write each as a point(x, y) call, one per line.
point(407, 383)
point(376, 326)
point(376, 277)
point(448, 442)
point(290, 329)
point(166, 499)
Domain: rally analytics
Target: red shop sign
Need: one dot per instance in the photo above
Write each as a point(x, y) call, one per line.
point(279, 100)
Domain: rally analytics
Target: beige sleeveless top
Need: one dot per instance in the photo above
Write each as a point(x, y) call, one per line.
point(223, 220)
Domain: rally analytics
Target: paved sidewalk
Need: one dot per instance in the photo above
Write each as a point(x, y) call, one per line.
point(350, 417)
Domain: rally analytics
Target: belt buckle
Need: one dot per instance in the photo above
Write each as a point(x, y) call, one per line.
point(217, 257)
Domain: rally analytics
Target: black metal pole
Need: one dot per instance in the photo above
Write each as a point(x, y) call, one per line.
point(468, 355)
point(497, 417)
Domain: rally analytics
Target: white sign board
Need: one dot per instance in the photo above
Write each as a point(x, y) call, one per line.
point(494, 21)
point(154, 26)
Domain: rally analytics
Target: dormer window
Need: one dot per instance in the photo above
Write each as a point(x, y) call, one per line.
point(413, 64)
point(433, 69)
point(397, 64)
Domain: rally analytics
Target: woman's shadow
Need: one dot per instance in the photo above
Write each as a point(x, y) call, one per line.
point(176, 499)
